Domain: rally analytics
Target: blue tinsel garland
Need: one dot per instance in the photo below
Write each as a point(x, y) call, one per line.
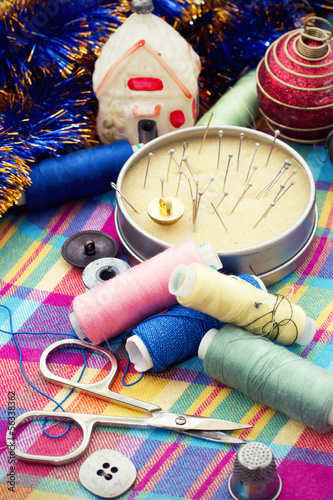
point(48, 49)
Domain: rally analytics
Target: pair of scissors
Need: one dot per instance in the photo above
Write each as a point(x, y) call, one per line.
point(201, 427)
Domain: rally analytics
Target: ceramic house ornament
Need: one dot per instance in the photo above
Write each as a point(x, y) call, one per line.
point(145, 79)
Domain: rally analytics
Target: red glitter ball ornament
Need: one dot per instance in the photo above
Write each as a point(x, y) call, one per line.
point(295, 83)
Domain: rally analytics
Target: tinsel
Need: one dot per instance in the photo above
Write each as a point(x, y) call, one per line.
point(14, 175)
point(47, 53)
point(44, 118)
point(35, 35)
point(47, 107)
point(51, 114)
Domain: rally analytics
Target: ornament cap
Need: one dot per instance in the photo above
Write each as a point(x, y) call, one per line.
point(319, 38)
point(142, 6)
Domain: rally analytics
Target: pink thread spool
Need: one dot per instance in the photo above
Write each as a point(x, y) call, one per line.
point(124, 301)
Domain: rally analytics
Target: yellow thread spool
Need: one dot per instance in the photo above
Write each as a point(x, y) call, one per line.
point(232, 300)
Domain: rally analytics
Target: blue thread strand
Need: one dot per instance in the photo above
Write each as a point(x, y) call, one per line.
point(125, 373)
point(76, 175)
point(66, 397)
point(57, 405)
point(13, 334)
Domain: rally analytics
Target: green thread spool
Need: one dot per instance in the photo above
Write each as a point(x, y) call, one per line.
point(270, 374)
point(239, 106)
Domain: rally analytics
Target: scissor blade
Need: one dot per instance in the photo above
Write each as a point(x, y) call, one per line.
point(213, 424)
point(216, 436)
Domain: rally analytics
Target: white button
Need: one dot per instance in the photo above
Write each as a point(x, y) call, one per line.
point(107, 473)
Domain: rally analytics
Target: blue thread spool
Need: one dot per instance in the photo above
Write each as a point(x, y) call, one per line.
point(76, 175)
point(167, 338)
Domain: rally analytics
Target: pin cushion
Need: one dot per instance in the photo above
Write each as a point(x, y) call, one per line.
point(248, 193)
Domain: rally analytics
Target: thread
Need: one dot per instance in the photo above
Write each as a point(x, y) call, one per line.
point(239, 105)
point(14, 335)
point(142, 291)
point(173, 335)
point(76, 175)
point(272, 376)
point(18, 347)
point(235, 301)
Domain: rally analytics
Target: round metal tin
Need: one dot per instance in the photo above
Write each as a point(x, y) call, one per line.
point(271, 260)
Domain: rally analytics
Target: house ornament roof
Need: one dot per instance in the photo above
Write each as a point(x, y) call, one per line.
point(151, 33)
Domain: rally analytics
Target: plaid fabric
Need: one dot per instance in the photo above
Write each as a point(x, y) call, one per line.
point(38, 286)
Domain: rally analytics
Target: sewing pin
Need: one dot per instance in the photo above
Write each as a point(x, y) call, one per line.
point(200, 194)
point(219, 217)
point(189, 183)
point(206, 132)
point(271, 205)
point(185, 146)
point(292, 183)
point(268, 186)
point(150, 155)
point(180, 171)
point(245, 190)
point(255, 151)
point(114, 186)
point(171, 153)
point(284, 167)
point(276, 134)
point(219, 153)
point(254, 168)
point(227, 170)
point(224, 196)
point(209, 183)
point(292, 173)
point(187, 163)
point(194, 204)
point(241, 137)
point(162, 179)
point(196, 188)
point(282, 186)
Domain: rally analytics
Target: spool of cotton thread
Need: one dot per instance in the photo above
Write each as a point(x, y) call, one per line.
point(239, 106)
point(77, 175)
point(270, 374)
point(234, 301)
point(123, 302)
point(167, 338)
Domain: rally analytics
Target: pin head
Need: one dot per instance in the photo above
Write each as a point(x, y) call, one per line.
point(166, 210)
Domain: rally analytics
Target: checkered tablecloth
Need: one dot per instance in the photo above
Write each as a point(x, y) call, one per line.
point(38, 287)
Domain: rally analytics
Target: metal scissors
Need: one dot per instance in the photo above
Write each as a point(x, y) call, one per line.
point(201, 427)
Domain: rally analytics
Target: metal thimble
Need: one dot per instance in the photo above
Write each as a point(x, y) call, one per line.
point(255, 476)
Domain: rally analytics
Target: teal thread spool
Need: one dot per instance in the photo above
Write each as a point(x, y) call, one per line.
point(270, 374)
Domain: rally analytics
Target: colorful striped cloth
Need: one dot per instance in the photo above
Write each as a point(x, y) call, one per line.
point(38, 287)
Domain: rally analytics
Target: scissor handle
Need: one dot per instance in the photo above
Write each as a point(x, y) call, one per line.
point(85, 422)
point(99, 389)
